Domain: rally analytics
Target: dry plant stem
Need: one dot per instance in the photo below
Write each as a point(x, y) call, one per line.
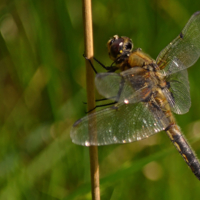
point(89, 52)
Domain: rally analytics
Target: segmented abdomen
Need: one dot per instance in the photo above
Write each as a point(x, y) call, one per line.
point(175, 135)
point(184, 148)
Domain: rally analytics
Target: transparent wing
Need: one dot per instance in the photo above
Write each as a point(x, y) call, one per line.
point(178, 94)
point(121, 123)
point(184, 50)
point(134, 85)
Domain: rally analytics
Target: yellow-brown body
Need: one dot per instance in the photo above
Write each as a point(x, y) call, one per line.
point(125, 59)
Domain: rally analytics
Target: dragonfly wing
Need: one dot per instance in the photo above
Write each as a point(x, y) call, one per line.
point(121, 123)
point(108, 84)
point(184, 50)
point(130, 85)
point(178, 94)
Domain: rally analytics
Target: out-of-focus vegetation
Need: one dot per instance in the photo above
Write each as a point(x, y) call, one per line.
point(42, 86)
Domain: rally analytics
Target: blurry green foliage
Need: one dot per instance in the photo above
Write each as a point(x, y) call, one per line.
point(42, 86)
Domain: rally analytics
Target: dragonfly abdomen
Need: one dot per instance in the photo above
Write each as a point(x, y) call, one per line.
point(175, 135)
point(184, 148)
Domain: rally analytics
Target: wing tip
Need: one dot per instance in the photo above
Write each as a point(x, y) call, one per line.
point(77, 122)
point(196, 13)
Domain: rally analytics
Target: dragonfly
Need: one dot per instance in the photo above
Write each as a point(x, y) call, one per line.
point(146, 93)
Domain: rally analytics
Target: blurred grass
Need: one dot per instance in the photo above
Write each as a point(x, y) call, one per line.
point(42, 86)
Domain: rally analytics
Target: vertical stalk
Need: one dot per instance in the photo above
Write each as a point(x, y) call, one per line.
point(89, 52)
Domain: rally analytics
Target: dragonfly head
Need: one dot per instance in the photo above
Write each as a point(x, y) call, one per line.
point(119, 46)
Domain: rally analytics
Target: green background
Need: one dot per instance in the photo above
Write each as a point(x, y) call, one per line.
point(42, 87)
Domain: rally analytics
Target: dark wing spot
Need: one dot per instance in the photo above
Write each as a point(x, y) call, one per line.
point(181, 35)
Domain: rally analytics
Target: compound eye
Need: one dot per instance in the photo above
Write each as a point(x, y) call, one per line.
point(111, 41)
point(129, 46)
point(117, 47)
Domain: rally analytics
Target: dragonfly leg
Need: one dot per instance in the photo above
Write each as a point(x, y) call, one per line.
point(98, 106)
point(95, 71)
point(108, 68)
point(104, 99)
